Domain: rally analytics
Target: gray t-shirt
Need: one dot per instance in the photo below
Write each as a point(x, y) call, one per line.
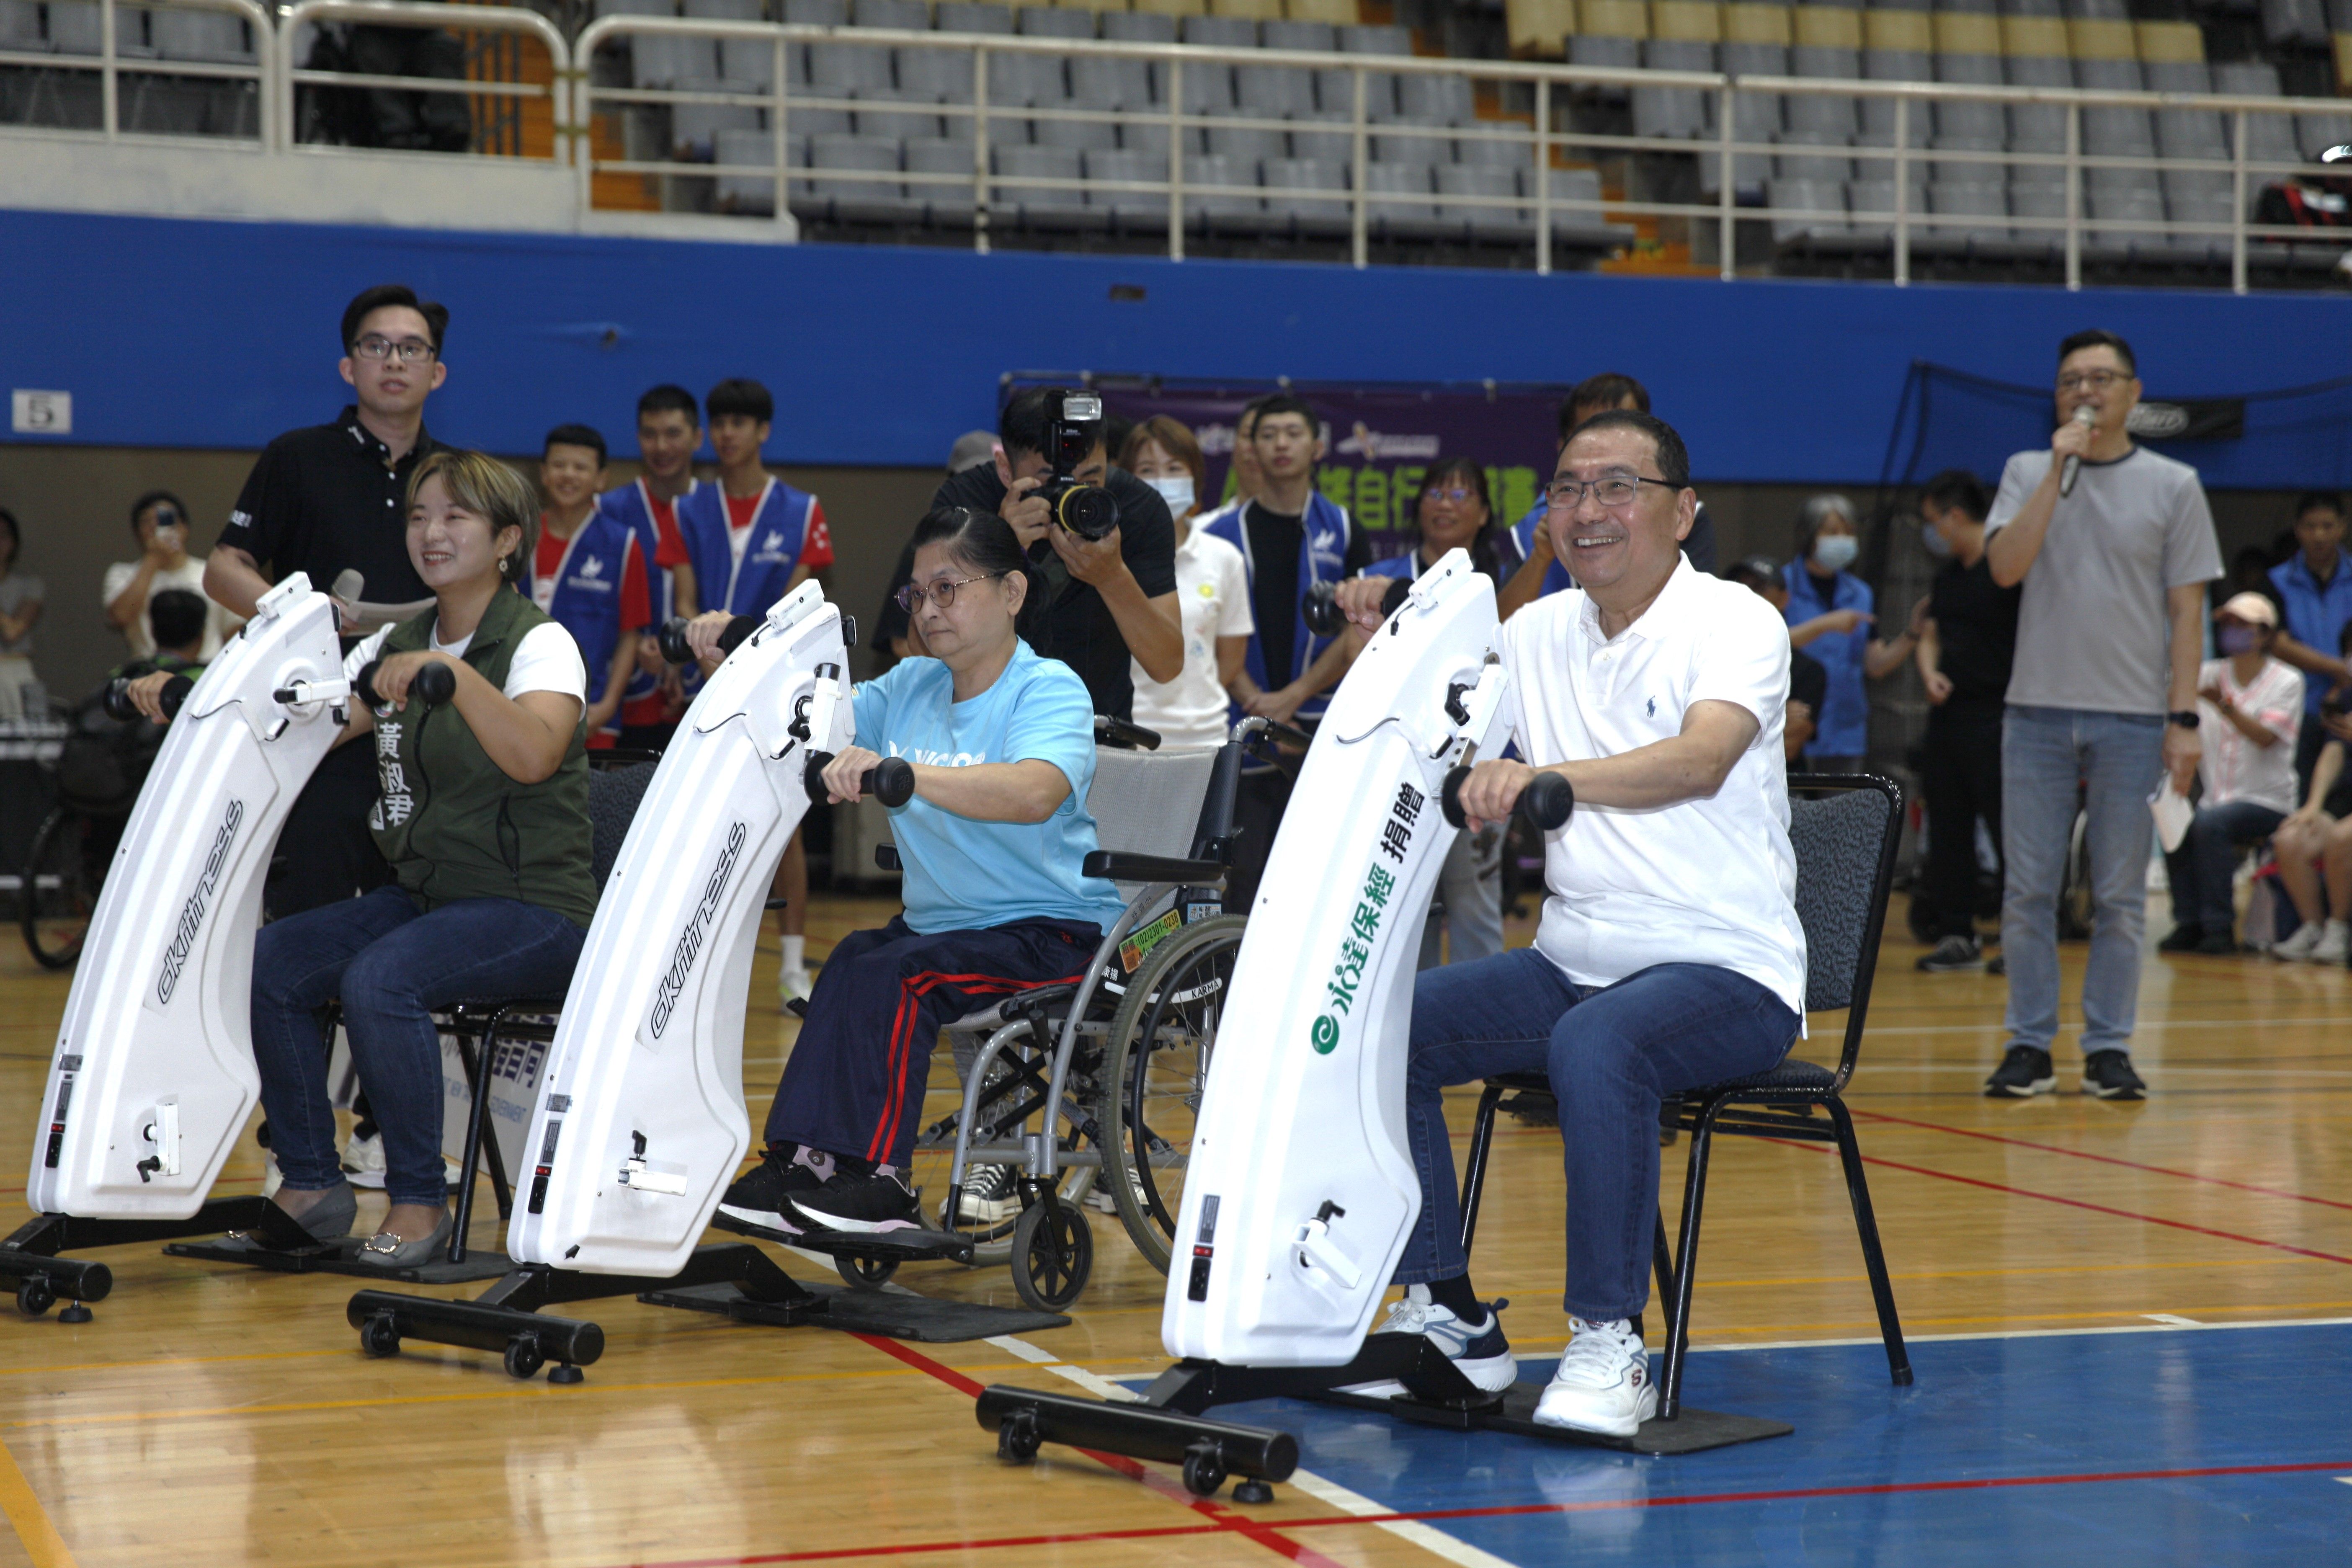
point(2093, 632)
point(16, 591)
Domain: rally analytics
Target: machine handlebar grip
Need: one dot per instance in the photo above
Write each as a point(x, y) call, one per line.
point(435, 683)
point(890, 781)
point(1112, 732)
point(674, 648)
point(1322, 611)
point(1547, 803)
point(118, 698)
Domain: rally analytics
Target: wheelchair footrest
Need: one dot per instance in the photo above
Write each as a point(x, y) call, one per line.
point(894, 1314)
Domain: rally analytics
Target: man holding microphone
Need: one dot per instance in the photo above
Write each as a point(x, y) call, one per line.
point(2114, 545)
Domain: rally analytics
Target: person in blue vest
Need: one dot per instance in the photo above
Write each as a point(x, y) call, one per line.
point(1291, 537)
point(1533, 571)
point(670, 433)
point(1830, 615)
point(587, 572)
point(2315, 596)
point(742, 544)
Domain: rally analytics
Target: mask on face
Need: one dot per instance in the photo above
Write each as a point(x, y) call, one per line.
point(1177, 492)
point(2235, 640)
point(1835, 552)
point(1934, 541)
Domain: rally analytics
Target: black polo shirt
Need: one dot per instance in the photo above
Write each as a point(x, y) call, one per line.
point(330, 499)
point(1077, 627)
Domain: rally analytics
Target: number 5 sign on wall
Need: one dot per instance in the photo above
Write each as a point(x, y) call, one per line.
point(41, 413)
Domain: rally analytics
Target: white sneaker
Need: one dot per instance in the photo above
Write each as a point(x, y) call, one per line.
point(2297, 949)
point(1101, 1199)
point(2333, 943)
point(1478, 1350)
point(363, 1163)
point(272, 1178)
point(1603, 1382)
point(794, 985)
point(988, 1195)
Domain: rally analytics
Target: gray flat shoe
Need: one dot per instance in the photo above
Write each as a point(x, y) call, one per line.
point(328, 1219)
point(386, 1250)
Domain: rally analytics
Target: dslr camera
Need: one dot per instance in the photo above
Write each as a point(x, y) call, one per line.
point(1074, 426)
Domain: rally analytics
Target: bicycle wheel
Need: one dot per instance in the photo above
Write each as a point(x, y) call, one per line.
point(60, 888)
point(1161, 1039)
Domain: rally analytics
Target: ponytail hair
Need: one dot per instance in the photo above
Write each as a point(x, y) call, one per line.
point(986, 543)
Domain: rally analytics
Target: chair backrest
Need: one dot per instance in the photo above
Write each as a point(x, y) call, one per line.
point(613, 797)
point(1846, 847)
point(1148, 803)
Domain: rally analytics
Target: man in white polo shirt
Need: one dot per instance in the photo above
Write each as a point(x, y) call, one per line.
point(1669, 955)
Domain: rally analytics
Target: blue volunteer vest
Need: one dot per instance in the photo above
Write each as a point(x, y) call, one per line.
point(587, 601)
point(1523, 542)
point(631, 506)
point(1324, 535)
point(779, 528)
point(1844, 719)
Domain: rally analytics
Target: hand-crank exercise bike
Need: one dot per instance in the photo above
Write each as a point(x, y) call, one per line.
point(152, 1079)
point(1302, 1192)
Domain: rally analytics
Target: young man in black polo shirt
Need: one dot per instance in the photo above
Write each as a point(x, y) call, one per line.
point(327, 500)
point(1106, 599)
point(1964, 658)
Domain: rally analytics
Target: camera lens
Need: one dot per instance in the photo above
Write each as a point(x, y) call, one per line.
point(1087, 510)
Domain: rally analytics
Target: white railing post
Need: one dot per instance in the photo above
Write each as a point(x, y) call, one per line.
point(1543, 177)
point(1725, 203)
point(1902, 194)
point(780, 125)
point(979, 149)
point(2074, 195)
point(109, 87)
point(1360, 245)
point(2238, 202)
point(1175, 160)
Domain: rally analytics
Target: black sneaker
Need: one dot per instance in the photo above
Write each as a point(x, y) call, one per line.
point(868, 1204)
point(2022, 1073)
point(1996, 965)
point(2184, 937)
point(2219, 944)
point(1953, 953)
point(2109, 1076)
point(758, 1196)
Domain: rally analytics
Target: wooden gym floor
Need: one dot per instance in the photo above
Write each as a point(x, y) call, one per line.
point(213, 1415)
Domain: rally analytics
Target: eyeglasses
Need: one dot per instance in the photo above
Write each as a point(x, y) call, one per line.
point(1458, 495)
point(411, 351)
point(941, 593)
point(1617, 490)
point(2091, 380)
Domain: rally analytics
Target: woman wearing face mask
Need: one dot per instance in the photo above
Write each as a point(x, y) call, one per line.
point(1829, 615)
point(483, 815)
point(1212, 593)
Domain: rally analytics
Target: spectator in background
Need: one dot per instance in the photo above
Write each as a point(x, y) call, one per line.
point(742, 544)
point(1829, 616)
point(1527, 548)
point(670, 432)
point(2108, 638)
point(587, 572)
point(972, 448)
point(20, 606)
point(2319, 836)
point(1212, 593)
point(1809, 682)
point(2249, 706)
point(180, 619)
point(1243, 478)
point(1966, 647)
point(159, 521)
point(2315, 596)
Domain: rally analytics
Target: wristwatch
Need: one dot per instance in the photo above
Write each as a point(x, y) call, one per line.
point(2185, 717)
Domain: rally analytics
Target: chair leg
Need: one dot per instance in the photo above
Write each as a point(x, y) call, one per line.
point(494, 1158)
point(1874, 1257)
point(1662, 1259)
point(478, 1078)
point(1474, 1179)
point(1670, 1380)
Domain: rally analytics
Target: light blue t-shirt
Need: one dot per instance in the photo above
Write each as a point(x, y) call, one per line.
point(963, 875)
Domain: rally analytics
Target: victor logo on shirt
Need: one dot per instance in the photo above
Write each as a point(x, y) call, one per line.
point(940, 759)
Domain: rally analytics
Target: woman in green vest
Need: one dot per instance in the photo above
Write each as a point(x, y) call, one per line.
point(482, 812)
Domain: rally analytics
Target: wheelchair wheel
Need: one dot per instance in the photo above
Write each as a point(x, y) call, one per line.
point(1160, 1040)
point(1053, 1254)
point(61, 887)
point(1010, 1105)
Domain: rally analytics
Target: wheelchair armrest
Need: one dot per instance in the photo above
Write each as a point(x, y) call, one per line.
point(1112, 866)
point(885, 858)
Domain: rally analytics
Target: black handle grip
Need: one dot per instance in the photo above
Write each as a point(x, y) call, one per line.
point(118, 698)
point(1110, 732)
point(1545, 804)
point(1322, 611)
point(674, 647)
point(890, 781)
point(435, 683)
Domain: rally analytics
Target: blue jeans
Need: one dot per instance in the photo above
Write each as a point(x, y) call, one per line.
point(1613, 1053)
point(2204, 869)
point(390, 964)
point(2046, 753)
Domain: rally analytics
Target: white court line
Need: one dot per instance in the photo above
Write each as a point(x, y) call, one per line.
point(1331, 1493)
point(2143, 1025)
point(2176, 1325)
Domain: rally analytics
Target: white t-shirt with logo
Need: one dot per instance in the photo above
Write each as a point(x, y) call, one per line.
point(2233, 767)
point(189, 575)
point(1212, 599)
point(547, 659)
point(1711, 881)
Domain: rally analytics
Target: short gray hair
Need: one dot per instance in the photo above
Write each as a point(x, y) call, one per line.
point(1816, 511)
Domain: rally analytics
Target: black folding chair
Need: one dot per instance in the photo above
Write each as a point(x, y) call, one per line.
point(1846, 847)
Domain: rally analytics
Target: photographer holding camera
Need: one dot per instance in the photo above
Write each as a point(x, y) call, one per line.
point(1102, 538)
point(159, 521)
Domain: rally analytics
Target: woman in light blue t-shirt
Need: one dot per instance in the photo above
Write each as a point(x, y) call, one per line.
point(1003, 746)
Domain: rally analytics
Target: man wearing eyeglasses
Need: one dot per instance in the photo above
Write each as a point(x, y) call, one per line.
point(1669, 955)
point(326, 499)
point(2102, 701)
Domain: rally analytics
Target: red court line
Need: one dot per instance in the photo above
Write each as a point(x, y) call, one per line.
point(2104, 1159)
point(1229, 1523)
point(2074, 1202)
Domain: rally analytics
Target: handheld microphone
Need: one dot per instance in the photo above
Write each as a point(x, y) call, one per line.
point(2073, 464)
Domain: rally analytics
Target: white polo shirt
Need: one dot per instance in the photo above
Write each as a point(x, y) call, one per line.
point(1708, 881)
